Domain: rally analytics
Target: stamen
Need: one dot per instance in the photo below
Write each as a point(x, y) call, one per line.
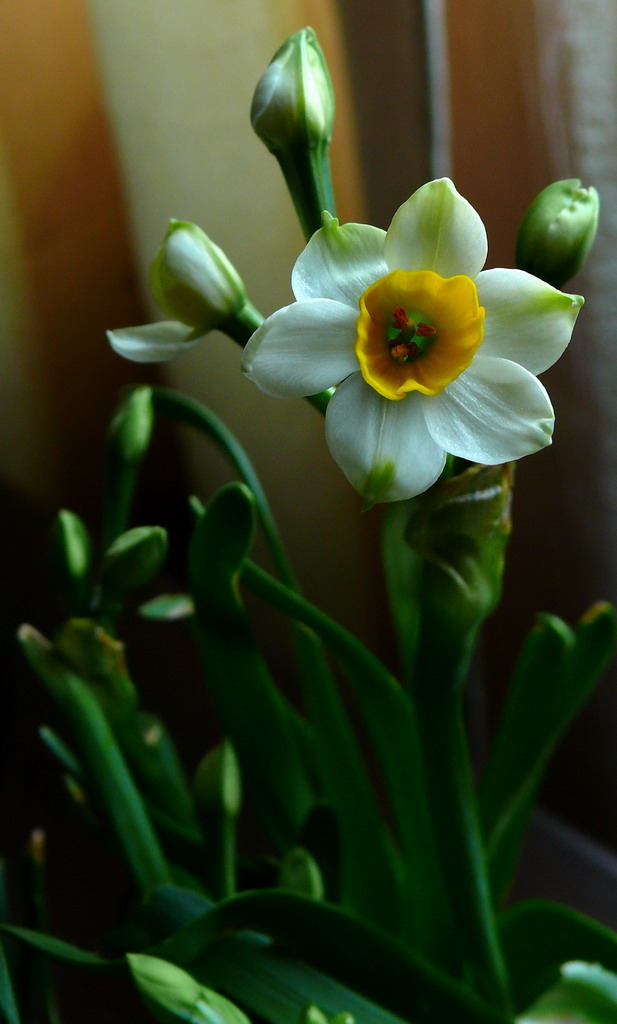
point(405, 351)
point(425, 330)
point(400, 318)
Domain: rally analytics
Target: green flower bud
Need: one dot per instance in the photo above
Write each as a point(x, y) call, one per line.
point(71, 558)
point(132, 560)
point(218, 787)
point(300, 872)
point(293, 103)
point(99, 660)
point(557, 231)
point(193, 281)
point(173, 995)
point(460, 527)
point(131, 428)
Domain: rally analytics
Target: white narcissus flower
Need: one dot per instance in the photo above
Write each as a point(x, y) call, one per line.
point(431, 354)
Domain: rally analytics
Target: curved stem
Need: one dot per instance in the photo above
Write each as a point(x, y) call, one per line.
point(182, 409)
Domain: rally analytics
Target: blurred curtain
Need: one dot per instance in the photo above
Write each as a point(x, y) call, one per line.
point(533, 99)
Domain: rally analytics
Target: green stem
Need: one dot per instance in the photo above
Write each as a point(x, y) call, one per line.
point(182, 409)
point(452, 794)
point(307, 174)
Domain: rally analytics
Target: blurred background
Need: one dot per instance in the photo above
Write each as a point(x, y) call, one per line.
point(115, 117)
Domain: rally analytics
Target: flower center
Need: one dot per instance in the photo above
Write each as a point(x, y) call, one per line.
point(407, 338)
point(417, 331)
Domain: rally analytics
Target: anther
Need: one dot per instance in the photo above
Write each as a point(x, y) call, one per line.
point(425, 330)
point(400, 318)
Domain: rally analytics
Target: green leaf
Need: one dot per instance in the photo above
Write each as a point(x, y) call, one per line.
point(248, 703)
point(556, 672)
point(585, 994)
point(392, 728)
point(8, 1003)
point(60, 950)
point(61, 751)
point(357, 955)
point(538, 937)
point(272, 984)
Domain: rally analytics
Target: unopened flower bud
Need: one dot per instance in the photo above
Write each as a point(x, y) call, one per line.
point(293, 103)
point(132, 560)
point(173, 995)
point(71, 557)
point(131, 428)
point(218, 785)
point(300, 872)
point(193, 281)
point(557, 231)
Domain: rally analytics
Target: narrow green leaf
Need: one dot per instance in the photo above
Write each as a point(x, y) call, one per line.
point(368, 871)
point(556, 672)
point(60, 950)
point(350, 950)
point(391, 724)
point(272, 984)
point(253, 712)
point(8, 1003)
point(538, 937)
point(276, 986)
point(61, 751)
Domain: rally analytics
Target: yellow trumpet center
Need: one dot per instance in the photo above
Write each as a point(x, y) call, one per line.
point(417, 331)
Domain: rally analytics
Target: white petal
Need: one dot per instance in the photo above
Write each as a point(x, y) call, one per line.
point(436, 229)
point(303, 348)
point(494, 412)
point(383, 447)
point(153, 343)
point(526, 320)
point(340, 262)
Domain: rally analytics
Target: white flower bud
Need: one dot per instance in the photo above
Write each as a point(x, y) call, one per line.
point(293, 103)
